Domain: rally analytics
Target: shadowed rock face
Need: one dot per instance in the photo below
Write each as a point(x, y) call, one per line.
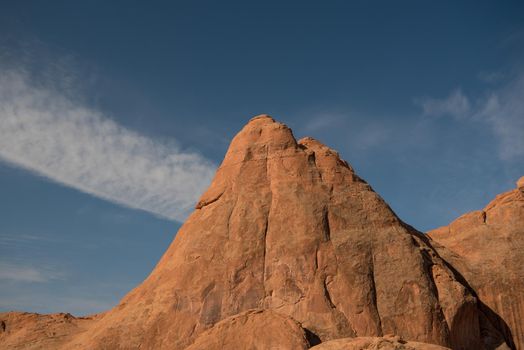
point(289, 228)
point(487, 248)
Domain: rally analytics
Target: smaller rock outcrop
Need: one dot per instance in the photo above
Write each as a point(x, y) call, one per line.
point(374, 343)
point(24, 330)
point(253, 329)
point(520, 183)
point(486, 247)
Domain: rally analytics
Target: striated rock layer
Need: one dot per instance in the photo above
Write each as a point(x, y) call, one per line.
point(487, 248)
point(289, 228)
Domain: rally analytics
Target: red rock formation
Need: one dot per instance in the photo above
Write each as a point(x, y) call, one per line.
point(487, 248)
point(24, 330)
point(373, 343)
point(253, 329)
point(289, 227)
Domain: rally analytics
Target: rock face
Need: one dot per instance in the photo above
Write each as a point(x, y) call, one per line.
point(24, 330)
point(487, 248)
point(373, 343)
point(520, 183)
point(254, 329)
point(289, 228)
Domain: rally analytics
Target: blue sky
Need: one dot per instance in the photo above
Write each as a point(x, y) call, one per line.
point(114, 115)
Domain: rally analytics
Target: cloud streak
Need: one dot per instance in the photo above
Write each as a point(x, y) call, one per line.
point(456, 105)
point(502, 110)
point(26, 274)
point(45, 131)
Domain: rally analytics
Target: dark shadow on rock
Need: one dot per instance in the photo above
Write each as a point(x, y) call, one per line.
point(312, 338)
point(499, 324)
point(494, 331)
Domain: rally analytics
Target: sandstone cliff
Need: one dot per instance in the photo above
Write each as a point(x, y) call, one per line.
point(288, 239)
point(487, 248)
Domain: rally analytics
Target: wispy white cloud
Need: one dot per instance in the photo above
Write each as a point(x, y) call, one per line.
point(372, 135)
point(491, 77)
point(7, 239)
point(501, 109)
point(44, 130)
point(456, 105)
point(83, 299)
point(23, 273)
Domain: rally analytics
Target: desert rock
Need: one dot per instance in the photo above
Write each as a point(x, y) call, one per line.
point(487, 249)
point(288, 227)
point(253, 329)
point(373, 343)
point(520, 183)
point(24, 330)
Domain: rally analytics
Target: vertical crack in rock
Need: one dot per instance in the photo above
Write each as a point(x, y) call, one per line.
point(325, 221)
point(327, 294)
point(228, 230)
point(317, 266)
point(264, 257)
point(313, 157)
point(266, 229)
point(374, 290)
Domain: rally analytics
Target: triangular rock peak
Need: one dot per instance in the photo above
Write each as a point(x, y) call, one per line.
point(287, 228)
